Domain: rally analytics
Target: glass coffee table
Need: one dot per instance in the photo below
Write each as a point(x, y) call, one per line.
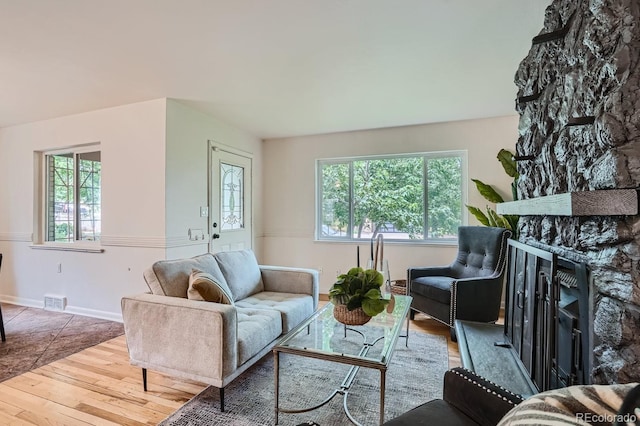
point(322, 337)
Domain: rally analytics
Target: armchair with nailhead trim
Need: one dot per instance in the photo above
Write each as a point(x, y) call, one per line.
point(468, 399)
point(470, 288)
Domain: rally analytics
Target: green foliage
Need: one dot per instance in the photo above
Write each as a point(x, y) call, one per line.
point(388, 192)
point(335, 190)
point(444, 196)
point(73, 194)
point(482, 218)
point(63, 232)
point(513, 222)
point(488, 192)
point(359, 288)
point(496, 220)
point(391, 192)
point(491, 217)
point(508, 162)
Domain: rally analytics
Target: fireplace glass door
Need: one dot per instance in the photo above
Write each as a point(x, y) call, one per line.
point(547, 316)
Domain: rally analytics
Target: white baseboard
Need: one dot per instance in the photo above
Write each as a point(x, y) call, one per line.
point(70, 309)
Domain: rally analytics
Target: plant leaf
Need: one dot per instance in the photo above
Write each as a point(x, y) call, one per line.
point(491, 217)
point(355, 271)
point(374, 278)
point(503, 223)
point(513, 221)
point(341, 299)
point(373, 307)
point(482, 218)
point(354, 302)
point(373, 294)
point(499, 221)
point(508, 162)
point(336, 290)
point(488, 192)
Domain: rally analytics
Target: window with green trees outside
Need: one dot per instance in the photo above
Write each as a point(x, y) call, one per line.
point(410, 197)
point(73, 196)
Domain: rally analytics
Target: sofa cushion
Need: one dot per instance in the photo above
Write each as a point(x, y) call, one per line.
point(256, 329)
point(293, 308)
point(171, 277)
point(203, 286)
point(241, 272)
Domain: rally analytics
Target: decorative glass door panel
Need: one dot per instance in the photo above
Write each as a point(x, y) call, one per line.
point(232, 197)
point(230, 223)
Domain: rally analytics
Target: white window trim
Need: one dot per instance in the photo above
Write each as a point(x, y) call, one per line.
point(428, 242)
point(40, 202)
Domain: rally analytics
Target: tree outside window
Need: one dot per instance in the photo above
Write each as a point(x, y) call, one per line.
point(73, 194)
point(398, 196)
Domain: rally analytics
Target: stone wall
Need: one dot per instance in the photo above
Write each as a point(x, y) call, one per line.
point(579, 106)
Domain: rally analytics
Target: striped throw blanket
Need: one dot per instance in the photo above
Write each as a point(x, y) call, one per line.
point(574, 405)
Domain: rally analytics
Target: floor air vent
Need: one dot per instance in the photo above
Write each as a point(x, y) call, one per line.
point(55, 303)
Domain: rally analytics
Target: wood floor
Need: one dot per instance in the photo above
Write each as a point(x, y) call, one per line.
point(97, 386)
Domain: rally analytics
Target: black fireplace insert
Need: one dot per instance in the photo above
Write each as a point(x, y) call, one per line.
point(547, 316)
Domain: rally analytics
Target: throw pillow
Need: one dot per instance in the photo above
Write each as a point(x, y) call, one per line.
point(203, 286)
point(171, 277)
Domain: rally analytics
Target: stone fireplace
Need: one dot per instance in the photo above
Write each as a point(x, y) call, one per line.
point(579, 130)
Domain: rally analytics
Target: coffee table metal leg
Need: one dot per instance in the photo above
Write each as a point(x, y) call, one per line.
point(383, 374)
point(406, 342)
point(276, 369)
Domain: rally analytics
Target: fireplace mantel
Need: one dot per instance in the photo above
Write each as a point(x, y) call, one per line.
point(608, 202)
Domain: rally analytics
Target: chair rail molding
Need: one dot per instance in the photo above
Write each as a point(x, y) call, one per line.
point(149, 242)
point(16, 236)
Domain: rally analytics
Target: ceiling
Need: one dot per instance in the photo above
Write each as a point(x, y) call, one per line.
point(275, 68)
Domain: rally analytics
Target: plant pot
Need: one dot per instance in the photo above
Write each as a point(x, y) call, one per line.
point(347, 317)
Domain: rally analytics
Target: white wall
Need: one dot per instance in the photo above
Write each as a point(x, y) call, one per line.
point(132, 143)
point(186, 171)
point(154, 169)
point(154, 182)
point(289, 188)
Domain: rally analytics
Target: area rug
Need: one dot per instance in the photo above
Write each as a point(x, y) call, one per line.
point(36, 337)
point(414, 376)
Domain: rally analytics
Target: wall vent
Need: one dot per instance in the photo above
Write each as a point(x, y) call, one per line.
point(55, 303)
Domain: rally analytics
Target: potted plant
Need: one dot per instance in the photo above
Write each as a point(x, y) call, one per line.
point(491, 218)
point(357, 296)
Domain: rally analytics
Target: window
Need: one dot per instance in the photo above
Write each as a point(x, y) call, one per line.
point(72, 205)
point(413, 197)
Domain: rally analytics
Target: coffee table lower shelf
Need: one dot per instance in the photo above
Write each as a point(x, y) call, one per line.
point(343, 390)
point(375, 346)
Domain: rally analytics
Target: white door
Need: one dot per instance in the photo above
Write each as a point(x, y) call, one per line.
point(230, 200)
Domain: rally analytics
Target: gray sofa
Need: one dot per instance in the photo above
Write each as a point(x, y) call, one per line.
point(210, 342)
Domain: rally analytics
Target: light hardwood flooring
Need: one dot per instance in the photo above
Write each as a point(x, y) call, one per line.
point(97, 386)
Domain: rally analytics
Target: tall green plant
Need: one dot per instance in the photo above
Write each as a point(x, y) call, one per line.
point(491, 217)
